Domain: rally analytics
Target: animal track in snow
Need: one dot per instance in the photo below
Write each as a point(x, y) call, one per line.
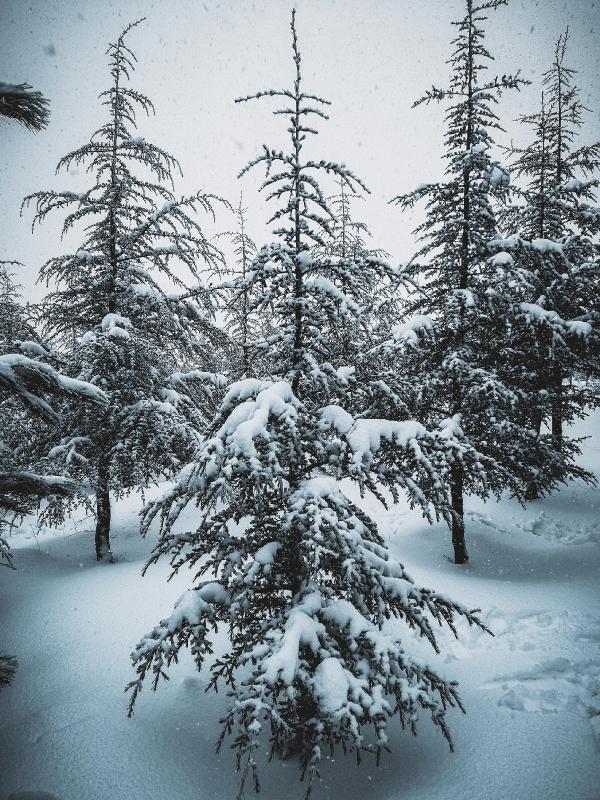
point(554, 529)
point(555, 685)
point(525, 632)
point(558, 530)
point(485, 520)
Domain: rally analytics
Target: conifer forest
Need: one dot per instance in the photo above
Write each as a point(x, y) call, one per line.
point(300, 400)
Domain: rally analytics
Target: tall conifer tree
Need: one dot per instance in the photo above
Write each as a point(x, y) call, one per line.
point(109, 309)
point(296, 570)
point(461, 311)
point(553, 227)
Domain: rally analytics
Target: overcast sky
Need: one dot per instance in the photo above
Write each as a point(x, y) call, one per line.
point(371, 58)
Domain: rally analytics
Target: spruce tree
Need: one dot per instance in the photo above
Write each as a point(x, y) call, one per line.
point(8, 668)
point(553, 228)
point(461, 312)
point(243, 326)
point(29, 109)
point(350, 340)
point(30, 390)
point(110, 312)
point(349, 237)
point(298, 573)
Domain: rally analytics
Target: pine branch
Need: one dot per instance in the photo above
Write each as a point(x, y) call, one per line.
point(28, 108)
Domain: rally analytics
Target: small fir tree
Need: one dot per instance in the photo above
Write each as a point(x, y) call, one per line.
point(243, 326)
point(350, 340)
point(296, 570)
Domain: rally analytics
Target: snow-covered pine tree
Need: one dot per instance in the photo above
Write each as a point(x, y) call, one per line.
point(109, 311)
point(349, 237)
point(296, 570)
point(14, 326)
point(462, 312)
point(30, 109)
point(243, 327)
point(349, 342)
point(553, 228)
point(28, 386)
point(27, 107)
point(8, 668)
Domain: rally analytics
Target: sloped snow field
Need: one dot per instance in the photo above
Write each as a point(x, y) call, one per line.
point(532, 692)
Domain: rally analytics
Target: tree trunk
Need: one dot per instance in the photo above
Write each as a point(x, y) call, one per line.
point(536, 421)
point(458, 522)
point(456, 479)
point(103, 552)
point(557, 410)
point(537, 418)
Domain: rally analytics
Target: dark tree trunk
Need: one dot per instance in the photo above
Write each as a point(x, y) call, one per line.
point(557, 410)
point(536, 421)
point(458, 521)
point(456, 480)
point(103, 510)
point(531, 492)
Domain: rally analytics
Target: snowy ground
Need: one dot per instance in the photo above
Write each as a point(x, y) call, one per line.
point(532, 693)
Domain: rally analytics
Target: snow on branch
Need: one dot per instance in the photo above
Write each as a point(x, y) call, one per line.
point(194, 614)
point(29, 380)
point(27, 107)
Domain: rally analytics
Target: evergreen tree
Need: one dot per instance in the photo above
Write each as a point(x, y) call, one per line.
point(28, 387)
point(14, 325)
point(8, 668)
point(30, 109)
point(349, 237)
point(349, 341)
point(243, 328)
point(109, 312)
point(553, 228)
point(29, 384)
point(465, 308)
point(296, 570)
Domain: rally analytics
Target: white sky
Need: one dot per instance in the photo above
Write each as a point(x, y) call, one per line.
point(371, 58)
